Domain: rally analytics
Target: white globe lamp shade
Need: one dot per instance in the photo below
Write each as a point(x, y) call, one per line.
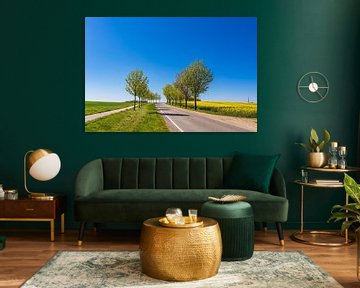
point(44, 164)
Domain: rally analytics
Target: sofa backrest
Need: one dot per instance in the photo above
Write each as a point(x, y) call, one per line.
point(165, 173)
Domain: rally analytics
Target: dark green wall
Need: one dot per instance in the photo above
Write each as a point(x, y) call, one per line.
point(42, 88)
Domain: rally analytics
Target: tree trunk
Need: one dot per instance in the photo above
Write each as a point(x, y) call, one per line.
point(195, 103)
point(134, 101)
point(185, 103)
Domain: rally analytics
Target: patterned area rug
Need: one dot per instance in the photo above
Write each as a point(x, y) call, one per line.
point(122, 269)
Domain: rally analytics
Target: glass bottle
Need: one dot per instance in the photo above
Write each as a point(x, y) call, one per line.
point(2, 192)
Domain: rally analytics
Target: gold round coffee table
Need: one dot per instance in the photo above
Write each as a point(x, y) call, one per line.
point(180, 254)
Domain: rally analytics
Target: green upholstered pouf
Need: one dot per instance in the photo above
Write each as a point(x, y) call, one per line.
point(2, 242)
point(236, 221)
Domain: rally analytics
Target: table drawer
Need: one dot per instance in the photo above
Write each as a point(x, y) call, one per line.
point(29, 209)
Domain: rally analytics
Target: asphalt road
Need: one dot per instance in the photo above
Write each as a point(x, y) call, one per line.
point(181, 120)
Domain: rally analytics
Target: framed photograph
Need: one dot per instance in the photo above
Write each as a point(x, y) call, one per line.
point(170, 74)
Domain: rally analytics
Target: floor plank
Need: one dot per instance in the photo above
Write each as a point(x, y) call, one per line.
point(28, 250)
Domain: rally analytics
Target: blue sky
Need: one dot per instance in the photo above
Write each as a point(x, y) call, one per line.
point(163, 46)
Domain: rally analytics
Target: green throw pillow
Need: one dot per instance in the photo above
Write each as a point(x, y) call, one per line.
point(251, 172)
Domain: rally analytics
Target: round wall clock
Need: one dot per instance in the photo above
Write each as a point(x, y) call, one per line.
point(313, 87)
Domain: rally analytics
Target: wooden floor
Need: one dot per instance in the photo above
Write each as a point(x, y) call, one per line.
point(28, 250)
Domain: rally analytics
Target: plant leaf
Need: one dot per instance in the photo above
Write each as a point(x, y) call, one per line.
point(336, 216)
point(314, 135)
point(352, 188)
point(313, 145)
point(326, 136)
point(350, 207)
point(306, 146)
point(321, 146)
point(346, 225)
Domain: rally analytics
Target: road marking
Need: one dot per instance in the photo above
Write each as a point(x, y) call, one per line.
point(174, 123)
point(161, 112)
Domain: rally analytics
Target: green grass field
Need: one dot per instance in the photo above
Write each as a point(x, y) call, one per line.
point(238, 109)
point(93, 107)
point(145, 119)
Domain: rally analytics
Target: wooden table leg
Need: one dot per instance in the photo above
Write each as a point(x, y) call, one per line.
point(63, 223)
point(52, 230)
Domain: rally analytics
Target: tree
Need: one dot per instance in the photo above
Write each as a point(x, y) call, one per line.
point(172, 94)
point(182, 83)
point(143, 94)
point(157, 97)
point(167, 93)
point(151, 96)
point(199, 79)
point(136, 84)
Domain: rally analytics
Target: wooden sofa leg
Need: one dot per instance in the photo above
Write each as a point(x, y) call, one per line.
point(280, 233)
point(265, 227)
point(81, 233)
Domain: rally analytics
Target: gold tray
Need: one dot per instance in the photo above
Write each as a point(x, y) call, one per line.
point(165, 222)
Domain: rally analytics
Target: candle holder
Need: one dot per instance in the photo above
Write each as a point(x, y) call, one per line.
point(342, 153)
point(333, 149)
point(304, 176)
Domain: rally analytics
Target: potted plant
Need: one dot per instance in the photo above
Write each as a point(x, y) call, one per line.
point(350, 214)
point(317, 157)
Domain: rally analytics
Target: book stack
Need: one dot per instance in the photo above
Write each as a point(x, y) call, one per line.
point(328, 181)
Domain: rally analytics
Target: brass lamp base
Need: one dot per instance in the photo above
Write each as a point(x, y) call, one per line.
point(41, 196)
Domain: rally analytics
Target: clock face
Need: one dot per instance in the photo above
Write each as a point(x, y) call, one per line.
point(313, 87)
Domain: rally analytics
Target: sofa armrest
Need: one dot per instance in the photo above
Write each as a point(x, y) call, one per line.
point(277, 184)
point(89, 179)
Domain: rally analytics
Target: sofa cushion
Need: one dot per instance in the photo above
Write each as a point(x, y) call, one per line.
point(266, 206)
point(181, 173)
point(197, 173)
point(163, 177)
point(147, 172)
point(130, 173)
point(251, 172)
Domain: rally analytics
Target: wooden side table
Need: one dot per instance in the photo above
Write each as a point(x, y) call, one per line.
point(26, 209)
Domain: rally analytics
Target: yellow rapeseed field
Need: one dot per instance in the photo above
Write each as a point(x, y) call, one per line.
point(239, 109)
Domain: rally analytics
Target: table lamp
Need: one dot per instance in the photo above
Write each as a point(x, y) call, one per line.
point(43, 165)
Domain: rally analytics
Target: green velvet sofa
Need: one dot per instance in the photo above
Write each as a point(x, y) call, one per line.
point(130, 190)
